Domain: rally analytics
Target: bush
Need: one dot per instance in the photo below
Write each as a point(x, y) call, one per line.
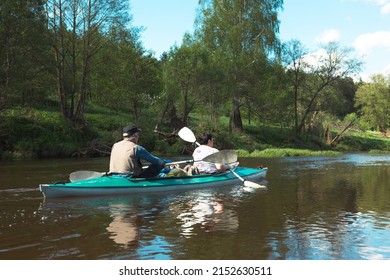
point(39, 135)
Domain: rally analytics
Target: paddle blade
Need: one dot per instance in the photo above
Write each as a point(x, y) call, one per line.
point(224, 157)
point(84, 175)
point(254, 185)
point(187, 135)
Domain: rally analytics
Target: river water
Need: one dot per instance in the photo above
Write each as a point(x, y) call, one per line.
point(315, 208)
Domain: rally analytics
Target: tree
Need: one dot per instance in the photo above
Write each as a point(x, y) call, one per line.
point(315, 74)
point(239, 34)
point(294, 53)
point(269, 99)
point(373, 101)
point(127, 77)
point(184, 78)
point(343, 103)
point(77, 29)
point(23, 52)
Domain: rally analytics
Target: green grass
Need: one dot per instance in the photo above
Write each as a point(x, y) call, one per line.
point(367, 141)
point(285, 152)
point(37, 133)
point(379, 152)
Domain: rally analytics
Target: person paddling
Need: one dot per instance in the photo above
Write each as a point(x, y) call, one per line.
point(205, 149)
point(126, 156)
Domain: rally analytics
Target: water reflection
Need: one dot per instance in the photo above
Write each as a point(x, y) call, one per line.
point(346, 236)
point(143, 226)
point(337, 209)
point(314, 208)
point(123, 228)
point(207, 211)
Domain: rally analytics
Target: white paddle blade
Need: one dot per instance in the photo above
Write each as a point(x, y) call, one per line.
point(84, 175)
point(253, 185)
point(249, 184)
point(187, 135)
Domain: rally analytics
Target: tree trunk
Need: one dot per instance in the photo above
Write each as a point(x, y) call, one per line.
point(237, 120)
point(59, 52)
point(296, 103)
point(174, 119)
point(309, 107)
point(79, 115)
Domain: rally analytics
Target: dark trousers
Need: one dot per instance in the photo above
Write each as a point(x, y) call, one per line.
point(152, 171)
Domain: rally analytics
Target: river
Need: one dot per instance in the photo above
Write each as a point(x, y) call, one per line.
point(314, 208)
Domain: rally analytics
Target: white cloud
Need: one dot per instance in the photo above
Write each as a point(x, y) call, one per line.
point(318, 58)
point(367, 77)
point(385, 9)
point(387, 70)
point(365, 43)
point(329, 35)
point(377, 2)
point(311, 59)
point(385, 5)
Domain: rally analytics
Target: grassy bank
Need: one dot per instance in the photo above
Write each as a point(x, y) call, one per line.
point(285, 152)
point(41, 133)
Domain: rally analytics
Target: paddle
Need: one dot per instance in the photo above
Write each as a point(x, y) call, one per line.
point(247, 183)
point(84, 174)
point(225, 156)
point(187, 135)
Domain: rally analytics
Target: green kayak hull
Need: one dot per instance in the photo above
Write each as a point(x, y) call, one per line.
point(116, 184)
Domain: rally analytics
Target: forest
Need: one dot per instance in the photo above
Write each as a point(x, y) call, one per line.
point(74, 72)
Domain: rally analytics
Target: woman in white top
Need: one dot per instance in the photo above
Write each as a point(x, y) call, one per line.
point(205, 149)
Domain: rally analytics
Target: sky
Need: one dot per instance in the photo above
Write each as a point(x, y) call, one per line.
point(363, 25)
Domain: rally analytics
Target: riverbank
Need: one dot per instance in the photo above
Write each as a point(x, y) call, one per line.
point(28, 133)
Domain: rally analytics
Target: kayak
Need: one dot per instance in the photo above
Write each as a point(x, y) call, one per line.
point(119, 184)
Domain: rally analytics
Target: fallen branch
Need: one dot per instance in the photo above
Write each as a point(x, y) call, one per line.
point(96, 148)
point(340, 134)
point(166, 134)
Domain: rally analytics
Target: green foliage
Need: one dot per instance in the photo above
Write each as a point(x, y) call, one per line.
point(79, 31)
point(24, 53)
point(373, 101)
point(129, 80)
point(242, 37)
point(187, 82)
point(320, 86)
point(37, 134)
point(104, 123)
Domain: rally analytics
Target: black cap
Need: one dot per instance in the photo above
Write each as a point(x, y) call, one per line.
point(130, 130)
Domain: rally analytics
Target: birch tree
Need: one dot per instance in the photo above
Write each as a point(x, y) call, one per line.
point(239, 34)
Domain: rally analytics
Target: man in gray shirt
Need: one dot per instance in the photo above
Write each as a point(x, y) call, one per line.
point(126, 156)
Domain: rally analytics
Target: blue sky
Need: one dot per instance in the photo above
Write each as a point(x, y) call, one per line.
point(361, 24)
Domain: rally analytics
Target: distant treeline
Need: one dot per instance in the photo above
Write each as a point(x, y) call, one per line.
point(64, 54)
